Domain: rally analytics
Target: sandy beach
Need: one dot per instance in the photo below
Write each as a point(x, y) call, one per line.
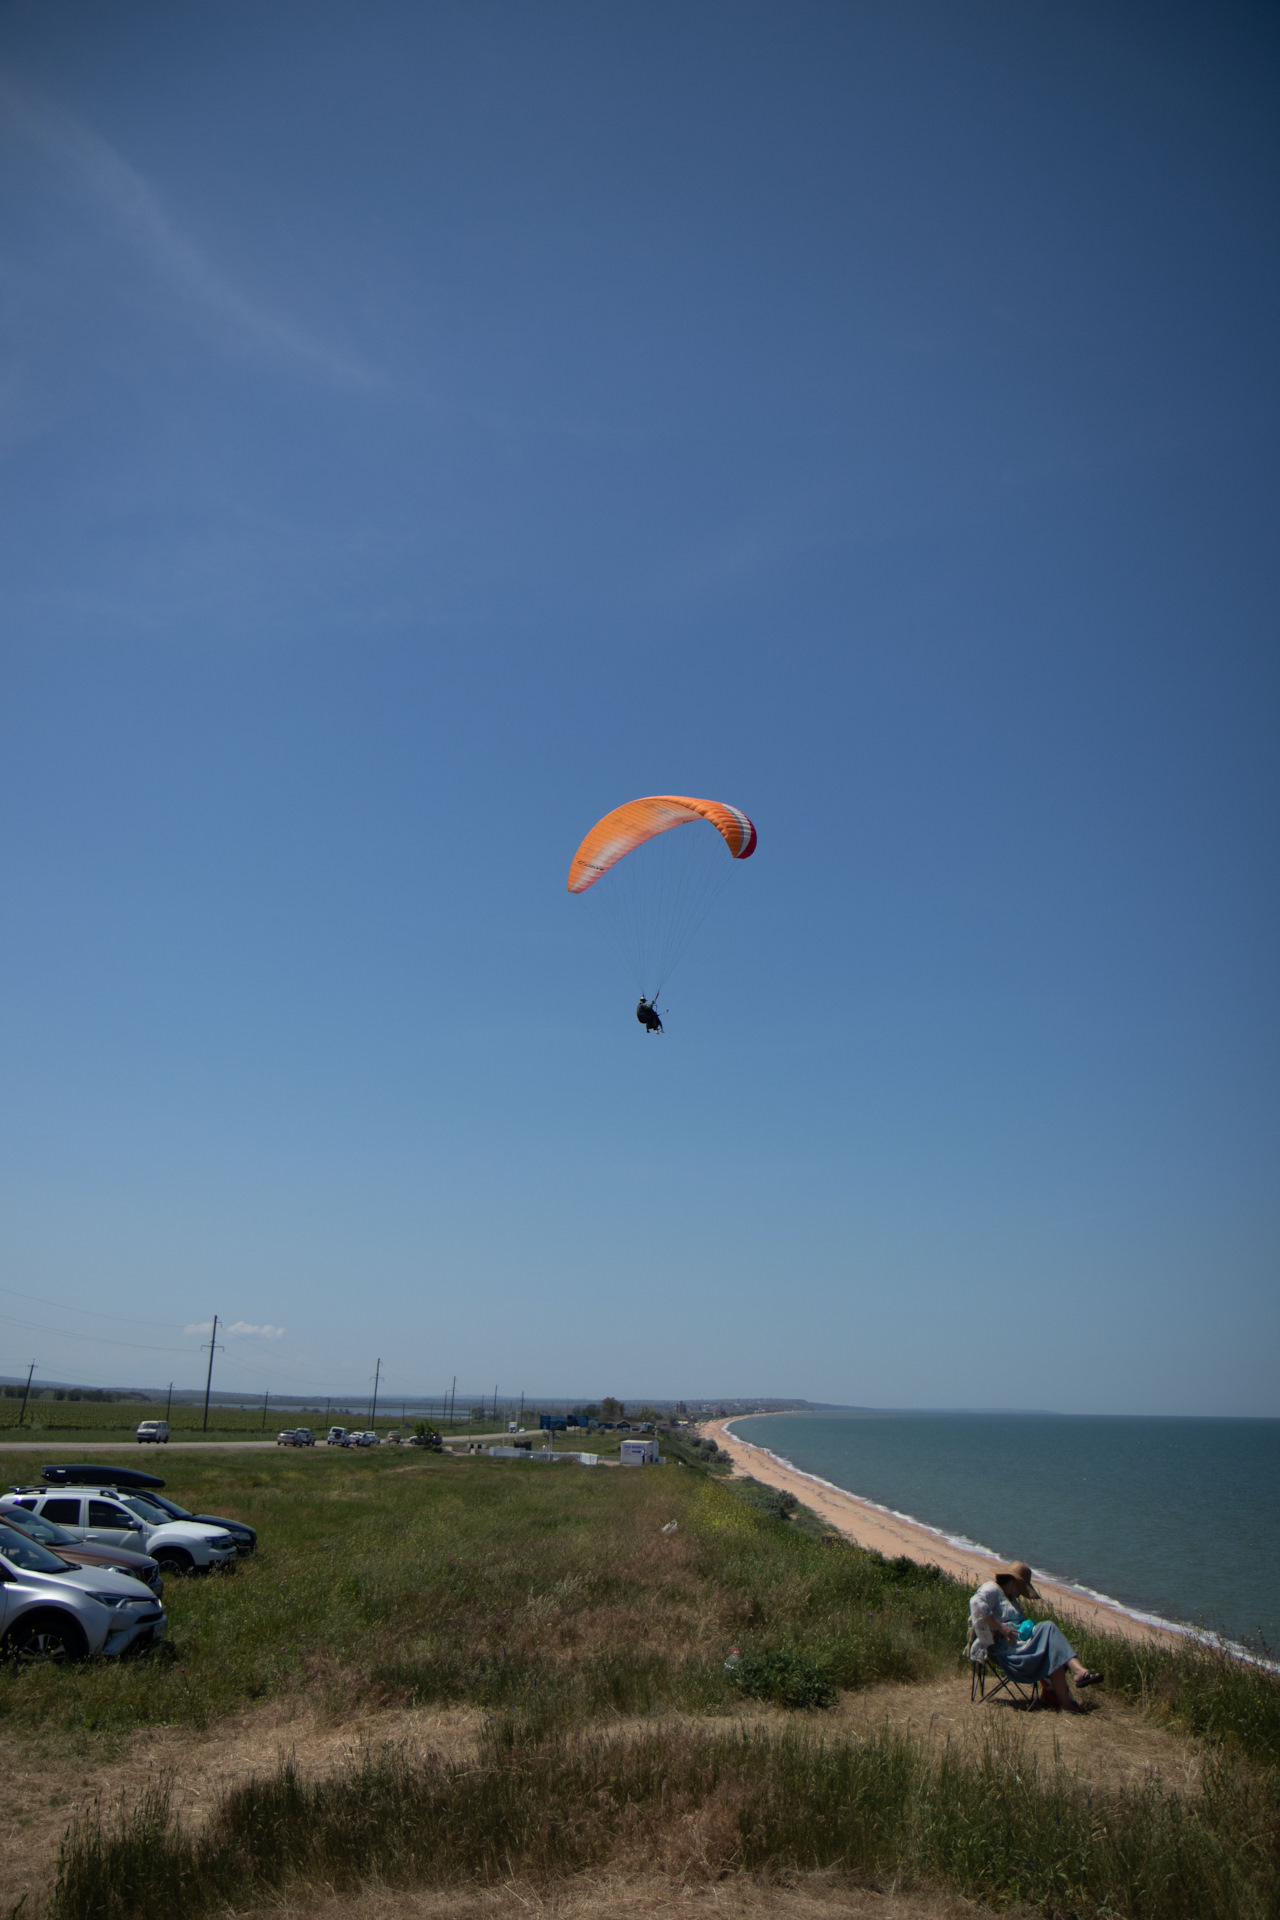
point(868, 1526)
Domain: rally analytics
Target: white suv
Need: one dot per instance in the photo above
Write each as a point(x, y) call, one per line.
point(126, 1518)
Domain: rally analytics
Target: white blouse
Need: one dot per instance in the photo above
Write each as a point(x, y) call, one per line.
point(990, 1603)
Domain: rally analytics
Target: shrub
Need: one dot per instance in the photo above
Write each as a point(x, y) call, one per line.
point(786, 1679)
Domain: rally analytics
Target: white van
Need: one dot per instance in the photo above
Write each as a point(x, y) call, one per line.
point(157, 1430)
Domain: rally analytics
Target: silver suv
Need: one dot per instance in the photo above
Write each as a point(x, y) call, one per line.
point(52, 1612)
point(125, 1518)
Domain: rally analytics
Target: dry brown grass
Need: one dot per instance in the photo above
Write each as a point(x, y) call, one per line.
point(640, 1897)
point(1112, 1748)
point(42, 1792)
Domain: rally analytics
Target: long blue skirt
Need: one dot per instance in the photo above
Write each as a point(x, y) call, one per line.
point(1036, 1657)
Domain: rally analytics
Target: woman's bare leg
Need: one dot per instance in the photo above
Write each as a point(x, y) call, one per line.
point(1062, 1692)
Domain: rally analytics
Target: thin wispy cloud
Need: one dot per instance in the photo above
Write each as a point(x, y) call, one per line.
point(88, 168)
point(264, 1332)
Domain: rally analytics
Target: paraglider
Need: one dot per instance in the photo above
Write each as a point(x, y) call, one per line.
point(653, 887)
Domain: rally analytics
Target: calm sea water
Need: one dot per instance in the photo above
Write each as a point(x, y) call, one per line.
point(1177, 1518)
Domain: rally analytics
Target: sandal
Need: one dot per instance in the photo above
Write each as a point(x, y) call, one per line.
point(1089, 1680)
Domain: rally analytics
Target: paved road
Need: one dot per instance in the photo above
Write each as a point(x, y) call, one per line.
point(37, 1445)
point(151, 1452)
point(145, 1453)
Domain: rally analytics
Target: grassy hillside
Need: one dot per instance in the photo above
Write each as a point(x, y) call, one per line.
point(563, 1602)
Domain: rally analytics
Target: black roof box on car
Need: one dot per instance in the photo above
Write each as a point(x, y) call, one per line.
point(99, 1477)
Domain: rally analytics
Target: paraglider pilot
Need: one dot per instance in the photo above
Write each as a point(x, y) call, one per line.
point(647, 1015)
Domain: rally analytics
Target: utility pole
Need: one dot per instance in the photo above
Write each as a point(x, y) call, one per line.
point(168, 1404)
point(453, 1400)
point(25, 1391)
point(373, 1410)
point(213, 1341)
point(522, 1413)
point(495, 1403)
point(264, 1412)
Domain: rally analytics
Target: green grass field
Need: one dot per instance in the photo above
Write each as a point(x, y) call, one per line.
point(552, 1598)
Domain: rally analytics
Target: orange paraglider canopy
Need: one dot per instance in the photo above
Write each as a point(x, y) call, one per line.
point(630, 826)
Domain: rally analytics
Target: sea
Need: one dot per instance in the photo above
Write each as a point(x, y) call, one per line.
point(1172, 1520)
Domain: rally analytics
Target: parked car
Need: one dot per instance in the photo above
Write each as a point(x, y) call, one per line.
point(156, 1430)
point(336, 1437)
point(52, 1612)
point(103, 1516)
point(285, 1439)
point(245, 1536)
point(303, 1437)
point(138, 1566)
point(363, 1440)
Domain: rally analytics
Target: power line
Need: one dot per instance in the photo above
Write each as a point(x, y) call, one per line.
point(125, 1319)
point(88, 1339)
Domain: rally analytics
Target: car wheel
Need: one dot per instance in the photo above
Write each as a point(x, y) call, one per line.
point(175, 1562)
point(45, 1639)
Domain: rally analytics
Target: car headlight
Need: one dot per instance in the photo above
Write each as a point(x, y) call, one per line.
point(117, 1600)
point(221, 1541)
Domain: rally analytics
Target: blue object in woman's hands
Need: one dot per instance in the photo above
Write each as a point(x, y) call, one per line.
point(1025, 1629)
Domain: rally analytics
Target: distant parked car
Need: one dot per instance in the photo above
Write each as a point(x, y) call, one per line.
point(303, 1437)
point(285, 1439)
point(336, 1437)
point(102, 1517)
point(138, 1566)
point(50, 1612)
point(363, 1440)
point(156, 1430)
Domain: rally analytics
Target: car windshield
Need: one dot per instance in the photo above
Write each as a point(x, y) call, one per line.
point(42, 1530)
point(171, 1507)
point(144, 1510)
point(21, 1551)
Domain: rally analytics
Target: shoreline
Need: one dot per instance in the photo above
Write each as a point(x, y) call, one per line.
point(894, 1535)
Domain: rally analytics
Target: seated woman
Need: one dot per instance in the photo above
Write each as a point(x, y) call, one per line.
point(1042, 1655)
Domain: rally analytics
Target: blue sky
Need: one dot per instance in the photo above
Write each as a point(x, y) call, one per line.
point(422, 429)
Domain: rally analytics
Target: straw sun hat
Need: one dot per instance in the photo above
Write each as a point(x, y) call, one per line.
point(1019, 1577)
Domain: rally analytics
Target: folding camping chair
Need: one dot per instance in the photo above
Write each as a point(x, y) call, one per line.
point(1023, 1693)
